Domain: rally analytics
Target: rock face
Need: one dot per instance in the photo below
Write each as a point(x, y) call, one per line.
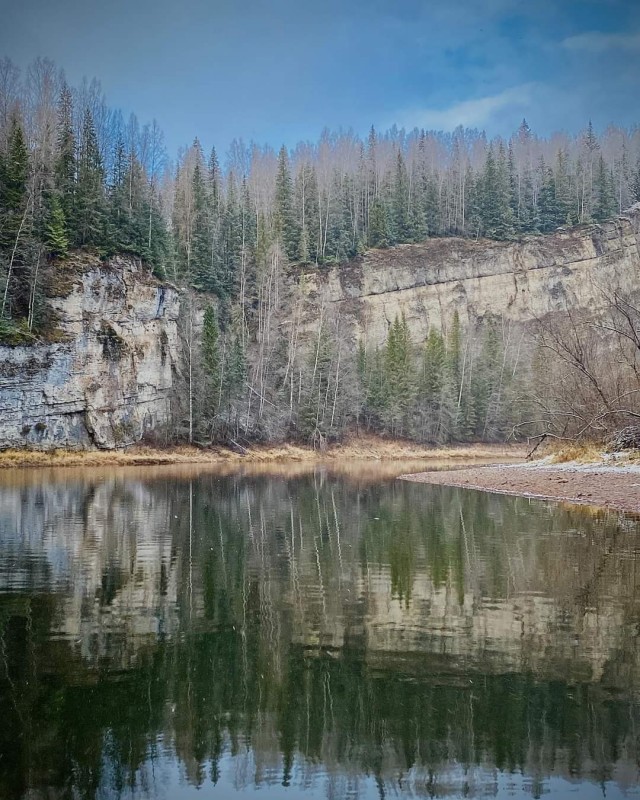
point(514, 280)
point(111, 377)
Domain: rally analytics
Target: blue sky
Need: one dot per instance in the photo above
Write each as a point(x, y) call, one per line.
point(280, 70)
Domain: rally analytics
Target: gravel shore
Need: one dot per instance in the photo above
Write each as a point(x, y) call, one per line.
point(614, 487)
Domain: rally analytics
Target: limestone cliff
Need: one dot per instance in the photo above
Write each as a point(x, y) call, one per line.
point(109, 378)
point(513, 280)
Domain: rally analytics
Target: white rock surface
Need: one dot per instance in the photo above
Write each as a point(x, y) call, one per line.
point(516, 281)
point(111, 380)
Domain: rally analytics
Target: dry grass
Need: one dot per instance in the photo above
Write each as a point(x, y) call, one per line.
point(368, 448)
point(581, 452)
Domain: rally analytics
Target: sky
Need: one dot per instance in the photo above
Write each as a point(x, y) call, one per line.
point(279, 71)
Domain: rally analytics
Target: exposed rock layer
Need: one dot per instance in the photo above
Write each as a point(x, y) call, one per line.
point(113, 377)
point(110, 379)
point(517, 281)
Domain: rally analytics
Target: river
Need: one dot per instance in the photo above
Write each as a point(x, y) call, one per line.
point(312, 632)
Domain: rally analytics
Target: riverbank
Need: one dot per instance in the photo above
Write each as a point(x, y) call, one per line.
point(357, 448)
point(597, 484)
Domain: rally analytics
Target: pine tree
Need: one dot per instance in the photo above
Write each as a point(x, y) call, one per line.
point(586, 167)
point(16, 223)
point(230, 241)
point(16, 170)
point(434, 363)
point(284, 221)
point(564, 198)
point(306, 201)
point(65, 162)
point(431, 384)
point(89, 205)
point(56, 237)
point(495, 211)
point(604, 202)
point(400, 376)
point(400, 203)
point(432, 206)
point(550, 215)
point(203, 278)
point(378, 228)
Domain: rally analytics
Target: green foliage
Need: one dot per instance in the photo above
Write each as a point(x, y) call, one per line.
point(284, 220)
point(16, 169)
point(604, 203)
point(495, 209)
point(90, 211)
point(65, 160)
point(434, 365)
point(56, 237)
point(399, 377)
point(378, 226)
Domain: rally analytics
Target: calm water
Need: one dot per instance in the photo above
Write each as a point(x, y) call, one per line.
point(182, 634)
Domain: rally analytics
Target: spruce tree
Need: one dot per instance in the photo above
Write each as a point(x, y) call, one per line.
point(400, 202)
point(89, 205)
point(377, 385)
point(434, 363)
point(495, 211)
point(378, 227)
point(202, 276)
point(16, 223)
point(16, 170)
point(431, 201)
point(400, 376)
point(65, 162)
point(604, 202)
point(564, 199)
point(56, 237)
point(550, 215)
point(284, 221)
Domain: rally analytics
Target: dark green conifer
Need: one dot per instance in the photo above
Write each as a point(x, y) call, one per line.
point(65, 162)
point(284, 220)
point(56, 236)
point(89, 199)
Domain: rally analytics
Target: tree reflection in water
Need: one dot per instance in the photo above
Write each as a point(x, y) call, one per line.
point(344, 636)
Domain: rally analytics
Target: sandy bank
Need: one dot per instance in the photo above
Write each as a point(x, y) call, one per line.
point(615, 487)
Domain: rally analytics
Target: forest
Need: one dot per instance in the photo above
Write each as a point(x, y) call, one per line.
point(75, 174)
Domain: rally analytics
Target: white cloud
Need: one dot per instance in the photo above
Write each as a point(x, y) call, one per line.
point(469, 113)
point(602, 42)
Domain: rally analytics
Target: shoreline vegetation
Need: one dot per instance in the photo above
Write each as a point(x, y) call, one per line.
point(361, 448)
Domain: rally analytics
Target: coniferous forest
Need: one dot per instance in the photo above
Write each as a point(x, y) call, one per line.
point(76, 174)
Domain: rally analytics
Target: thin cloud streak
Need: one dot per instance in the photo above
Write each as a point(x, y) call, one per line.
point(475, 113)
point(602, 42)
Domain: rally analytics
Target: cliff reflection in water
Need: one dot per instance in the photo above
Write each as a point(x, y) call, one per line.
point(350, 638)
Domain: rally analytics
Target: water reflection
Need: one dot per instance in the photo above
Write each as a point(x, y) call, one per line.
point(162, 631)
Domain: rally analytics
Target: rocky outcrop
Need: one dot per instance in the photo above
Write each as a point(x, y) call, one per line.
point(110, 377)
point(516, 281)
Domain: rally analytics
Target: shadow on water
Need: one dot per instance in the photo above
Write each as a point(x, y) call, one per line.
point(323, 629)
